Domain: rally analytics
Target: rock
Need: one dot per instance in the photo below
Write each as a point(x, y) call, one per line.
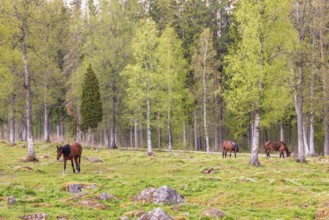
point(37, 216)
point(93, 204)
point(208, 171)
point(134, 214)
point(74, 188)
point(156, 214)
point(105, 196)
point(11, 200)
point(94, 160)
point(62, 217)
point(162, 195)
point(322, 214)
point(124, 218)
point(215, 213)
point(77, 187)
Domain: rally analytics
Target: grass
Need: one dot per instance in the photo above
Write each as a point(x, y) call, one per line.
point(279, 189)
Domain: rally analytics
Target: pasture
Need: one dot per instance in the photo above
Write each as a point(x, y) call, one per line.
point(279, 189)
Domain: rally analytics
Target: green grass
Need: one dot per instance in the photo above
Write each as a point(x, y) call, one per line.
point(279, 189)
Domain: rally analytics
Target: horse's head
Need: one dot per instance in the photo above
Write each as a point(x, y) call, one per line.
point(288, 153)
point(59, 152)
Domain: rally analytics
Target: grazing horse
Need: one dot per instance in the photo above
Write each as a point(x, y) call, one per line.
point(230, 146)
point(276, 146)
point(70, 152)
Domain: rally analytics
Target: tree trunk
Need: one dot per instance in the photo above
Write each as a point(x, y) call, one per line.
point(282, 136)
point(312, 96)
point(141, 137)
point(205, 124)
point(24, 133)
point(113, 144)
point(215, 125)
point(148, 126)
point(46, 123)
point(305, 131)
point(12, 120)
point(131, 136)
point(31, 153)
point(254, 161)
point(195, 133)
point(136, 133)
point(298, 98)
point(220, 127)
point(184, 133)
point(169, 131)
point(106, 138)
point(325, 86)
point(159, 132)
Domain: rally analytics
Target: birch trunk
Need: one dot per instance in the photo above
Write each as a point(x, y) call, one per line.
point(195, 133)
point(148, 126)
point(205, 125)
point(298, 98)
point(106, 138)
point(12, 129)
point(135, 133)
point(141, 137)
point(113, 143)
point(282, 136)
point(131, 137)
point(215, 125)
point(325, 87)
point(312, 89)
point(305, 131)
point(184, 133)
point(46, 123)
point(31, 153)
point(254, 161)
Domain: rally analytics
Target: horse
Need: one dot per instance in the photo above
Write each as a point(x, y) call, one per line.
point(230, 146)
point(70, 152)
point(276, 146)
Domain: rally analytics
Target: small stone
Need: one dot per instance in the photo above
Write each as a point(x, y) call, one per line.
point(37, 216)
point(156, 214)
point(105, 196)
point(11, 200)
point(74, 188)
point(215, 213)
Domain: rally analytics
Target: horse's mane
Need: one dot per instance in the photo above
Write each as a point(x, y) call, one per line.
point(66, 150)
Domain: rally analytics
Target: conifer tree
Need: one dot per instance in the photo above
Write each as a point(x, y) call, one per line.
point(91, 105)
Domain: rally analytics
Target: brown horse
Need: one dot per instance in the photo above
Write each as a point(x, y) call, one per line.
point(276, 146)
point(70, 152)
point(230, 146)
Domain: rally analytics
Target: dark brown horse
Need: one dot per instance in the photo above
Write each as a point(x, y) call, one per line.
point(276, 146)
point(230, 146)
point(70, 152)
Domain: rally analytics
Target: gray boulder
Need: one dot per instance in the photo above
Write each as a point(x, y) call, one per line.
point(162, 195)
point(156, 214)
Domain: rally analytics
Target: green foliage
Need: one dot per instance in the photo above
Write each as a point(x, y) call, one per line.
point(91, 105)
point(257, 68)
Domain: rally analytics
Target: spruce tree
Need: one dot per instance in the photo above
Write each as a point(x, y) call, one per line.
point(91, 105)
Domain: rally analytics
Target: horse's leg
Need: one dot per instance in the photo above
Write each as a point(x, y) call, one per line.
point(76, 164)
point(230, 153)
point(72, 165)
point(79, 162)
point(64, 171)
point(235, 153)
point(223, 153)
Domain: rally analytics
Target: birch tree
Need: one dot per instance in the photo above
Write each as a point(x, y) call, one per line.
point(203, 63)
point(141, 75)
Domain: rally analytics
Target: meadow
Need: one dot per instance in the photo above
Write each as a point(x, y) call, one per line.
point(279, 189)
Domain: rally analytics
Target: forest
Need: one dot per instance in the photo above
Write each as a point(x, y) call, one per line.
point(166, 74)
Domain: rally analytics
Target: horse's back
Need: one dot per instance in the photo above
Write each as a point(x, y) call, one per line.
point(76, 148)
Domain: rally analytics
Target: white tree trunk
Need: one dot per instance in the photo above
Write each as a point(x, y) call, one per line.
point(282, 136)
point(205, 124)
point(46, 123)
point(106, 138)
point(299, 111)
point(312, 91)
point(255, 142)
point(135, 133)
point(195, 132)
point(148, 126)
point(12, 121)
point(31, 153)
point(305, 131)
point(184, 133)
